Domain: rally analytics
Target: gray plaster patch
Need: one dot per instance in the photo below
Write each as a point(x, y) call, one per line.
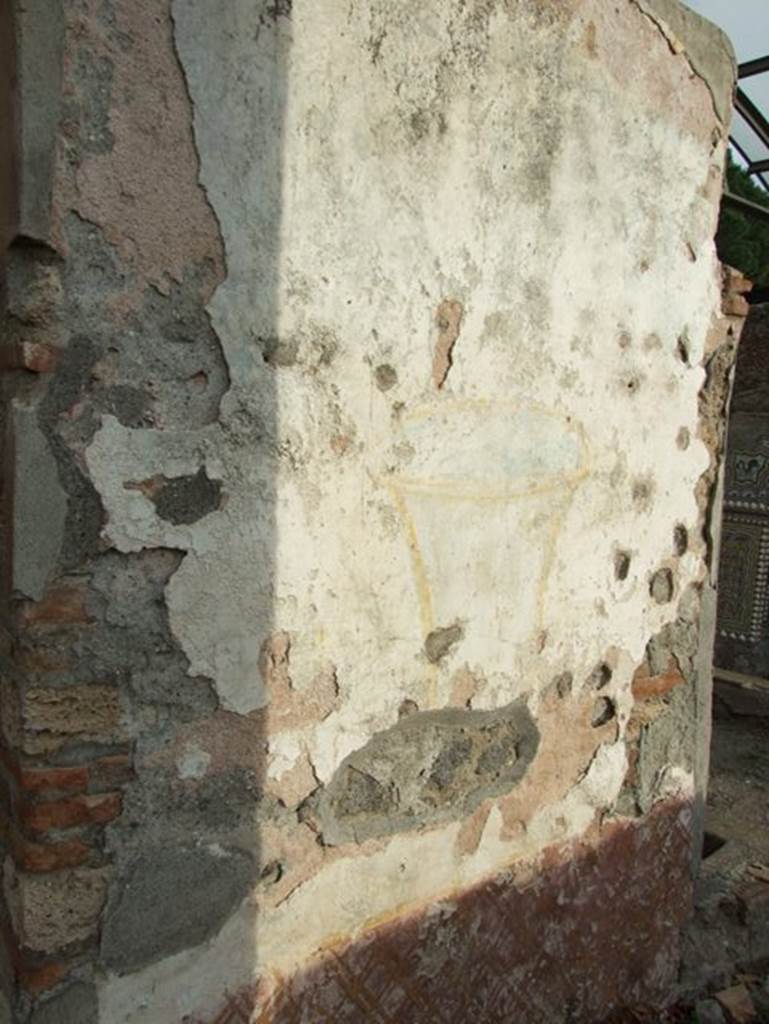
point(221, 806)
point(135, 643)
point(185, 499)
point(433, 766)
point(77, 1004)
point(153, 915)
point(670, 739)
point(440, 641)
point(39, 506)
point(94, 78)
point(65, 389)
point(40, 54)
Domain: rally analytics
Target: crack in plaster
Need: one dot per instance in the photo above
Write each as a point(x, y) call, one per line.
point(193, 133)
point(679, 49)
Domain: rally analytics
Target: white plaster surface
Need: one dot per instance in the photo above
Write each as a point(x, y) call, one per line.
point(367, 162)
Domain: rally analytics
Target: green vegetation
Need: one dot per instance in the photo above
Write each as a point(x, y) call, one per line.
point(742, 241)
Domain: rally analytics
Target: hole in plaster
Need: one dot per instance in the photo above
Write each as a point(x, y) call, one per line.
point(661, 586)
point(711, 843)
point(621, 565)
point(683, 439)
point(272, 872)
point(680, 539)
point(561, 684)
point(600, 676)
point(279, 353)
point(603, 712)
point(652, 342)
point(643, 492)
point(441, 640)
point(407, 707)
point(682, 348)
point(386, 377)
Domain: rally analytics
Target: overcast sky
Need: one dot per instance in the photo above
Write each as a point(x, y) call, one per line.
point(745, 21)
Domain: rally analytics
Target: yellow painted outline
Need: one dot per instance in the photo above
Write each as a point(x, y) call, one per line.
point(459, 489)
point(468, 490)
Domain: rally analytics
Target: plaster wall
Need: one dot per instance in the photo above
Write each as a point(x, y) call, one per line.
point(386, 433)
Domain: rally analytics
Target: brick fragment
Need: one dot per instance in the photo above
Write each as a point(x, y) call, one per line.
point(64, 604)
point(38, 978)
point(735, 281)
point(645, 686)
point(44, 857)
point(110, 772)
point(91, 809)
point(69, 780)
point(735, 305)
point(33, 356)
point(39, 659)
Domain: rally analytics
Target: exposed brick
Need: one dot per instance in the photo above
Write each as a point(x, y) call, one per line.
point(38, 978)
point(34, 356)
point(735, 281)
point(109, 772)
point(645, 686)
point(95, 809)
point(9, 763)
point(40, 857)
point(735, 305)
point(42, 660)
point(69, 780)
point(62, 605)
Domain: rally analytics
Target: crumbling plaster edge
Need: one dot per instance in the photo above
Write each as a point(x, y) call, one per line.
point(656, 11)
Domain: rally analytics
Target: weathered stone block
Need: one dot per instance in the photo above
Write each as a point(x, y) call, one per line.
point(46, 718)
point(52, 911)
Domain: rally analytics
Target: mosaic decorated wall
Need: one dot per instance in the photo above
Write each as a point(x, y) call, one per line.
point(743, 583)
